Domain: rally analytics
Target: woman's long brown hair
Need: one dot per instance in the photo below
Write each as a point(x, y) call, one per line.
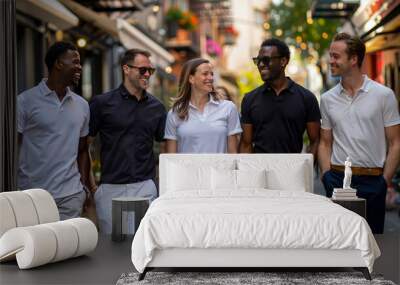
point(182, 99)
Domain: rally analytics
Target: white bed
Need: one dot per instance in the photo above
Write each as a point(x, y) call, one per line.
point(213, 212)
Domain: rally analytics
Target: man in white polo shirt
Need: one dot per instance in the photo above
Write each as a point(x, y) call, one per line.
point(360, 120)
point(53, 124)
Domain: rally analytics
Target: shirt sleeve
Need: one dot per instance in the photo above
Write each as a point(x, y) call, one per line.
point(246, 116)
point(326, 121)
point(171, 126)
point(233, 120)
point(21, 115)
point(94, 122)
point(159, 135)
point(313, 112)
point(391, 115)
point(85, 125)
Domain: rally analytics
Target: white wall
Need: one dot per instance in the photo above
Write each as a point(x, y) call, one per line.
point(251, 33)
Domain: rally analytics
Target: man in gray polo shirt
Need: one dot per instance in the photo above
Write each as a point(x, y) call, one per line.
point(53, 124)
point(360, 120)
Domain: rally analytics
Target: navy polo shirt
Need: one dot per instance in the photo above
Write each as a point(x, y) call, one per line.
point(279, 122)
point(127, 129)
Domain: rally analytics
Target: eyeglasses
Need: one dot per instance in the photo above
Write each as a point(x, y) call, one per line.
point(143, 69)
point(265, 60)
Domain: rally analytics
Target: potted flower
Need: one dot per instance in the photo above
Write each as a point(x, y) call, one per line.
point(188, 21)
point(173, 16)
point(213, 48)
point(230, 35)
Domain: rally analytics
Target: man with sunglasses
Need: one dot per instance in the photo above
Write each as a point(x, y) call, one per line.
point(128, 120)
point(276, 114)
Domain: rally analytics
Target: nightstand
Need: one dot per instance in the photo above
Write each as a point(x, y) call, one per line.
point(120, 205)
point(357, 205)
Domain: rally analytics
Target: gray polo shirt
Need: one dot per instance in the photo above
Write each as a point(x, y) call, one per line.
point(51, 130)
point(358, 123)
point(205, 132)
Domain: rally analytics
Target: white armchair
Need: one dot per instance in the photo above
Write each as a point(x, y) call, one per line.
point(31, 232)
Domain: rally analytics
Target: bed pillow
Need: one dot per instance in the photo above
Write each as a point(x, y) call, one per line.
point(251, 178)
point(288, 176)
point(194, 175)
point(223, 179)
point(293, 180)
point(230, 180)
point(281, 174)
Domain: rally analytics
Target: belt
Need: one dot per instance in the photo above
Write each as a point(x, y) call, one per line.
point(371, 171)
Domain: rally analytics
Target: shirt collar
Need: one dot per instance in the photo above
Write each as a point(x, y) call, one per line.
point(290, 86)
point(45, 90)
point(126, 95)
point(366, 83)
point(364, 87)
point(211, 100)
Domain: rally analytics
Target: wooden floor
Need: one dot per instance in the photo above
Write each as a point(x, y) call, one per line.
point(106, 264)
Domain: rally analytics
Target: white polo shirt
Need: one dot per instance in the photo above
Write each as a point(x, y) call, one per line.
point(358, 123)
point(51, 130)
point(205, 132)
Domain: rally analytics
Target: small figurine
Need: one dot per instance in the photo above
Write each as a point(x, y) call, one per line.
point(347, 174)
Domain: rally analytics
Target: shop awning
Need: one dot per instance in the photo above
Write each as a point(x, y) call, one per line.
point(52, 11)
point(334, 8)
point(98, 20)
point(131, 37)
point(114, 5)
point(128, 35)
point(383, 42)
point(373, 20)
point(386, 36)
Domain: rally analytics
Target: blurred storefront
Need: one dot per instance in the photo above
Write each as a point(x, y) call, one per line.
point(34, 34)
point(377, 22)
point(102, 31)
point(100, 39)
point(182, 34)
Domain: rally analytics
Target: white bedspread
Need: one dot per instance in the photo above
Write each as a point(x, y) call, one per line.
point(250, 219)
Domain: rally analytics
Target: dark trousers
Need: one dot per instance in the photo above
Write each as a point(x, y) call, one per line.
point(371, 188)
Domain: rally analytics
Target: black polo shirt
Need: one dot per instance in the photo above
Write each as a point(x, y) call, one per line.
point(127, 130)
point(279, 122)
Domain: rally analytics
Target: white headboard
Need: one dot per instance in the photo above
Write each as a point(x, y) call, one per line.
point(210, 159)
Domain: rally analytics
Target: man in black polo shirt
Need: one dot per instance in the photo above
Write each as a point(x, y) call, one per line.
point(128, 120)
point(276, 114)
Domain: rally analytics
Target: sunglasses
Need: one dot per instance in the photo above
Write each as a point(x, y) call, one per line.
point(142, 69)
point(265, 60)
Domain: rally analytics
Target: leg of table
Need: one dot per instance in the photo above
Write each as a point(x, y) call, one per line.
point(116, 221)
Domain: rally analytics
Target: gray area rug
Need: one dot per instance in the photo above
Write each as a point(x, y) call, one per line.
point(229, 278)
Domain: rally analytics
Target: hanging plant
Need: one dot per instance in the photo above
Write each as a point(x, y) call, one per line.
point(174, 14)
point(189, 21)
point(230, 30)
point(213, 48)
point(185, 20)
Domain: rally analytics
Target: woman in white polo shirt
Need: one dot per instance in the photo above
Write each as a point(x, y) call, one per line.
point(199, 122)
